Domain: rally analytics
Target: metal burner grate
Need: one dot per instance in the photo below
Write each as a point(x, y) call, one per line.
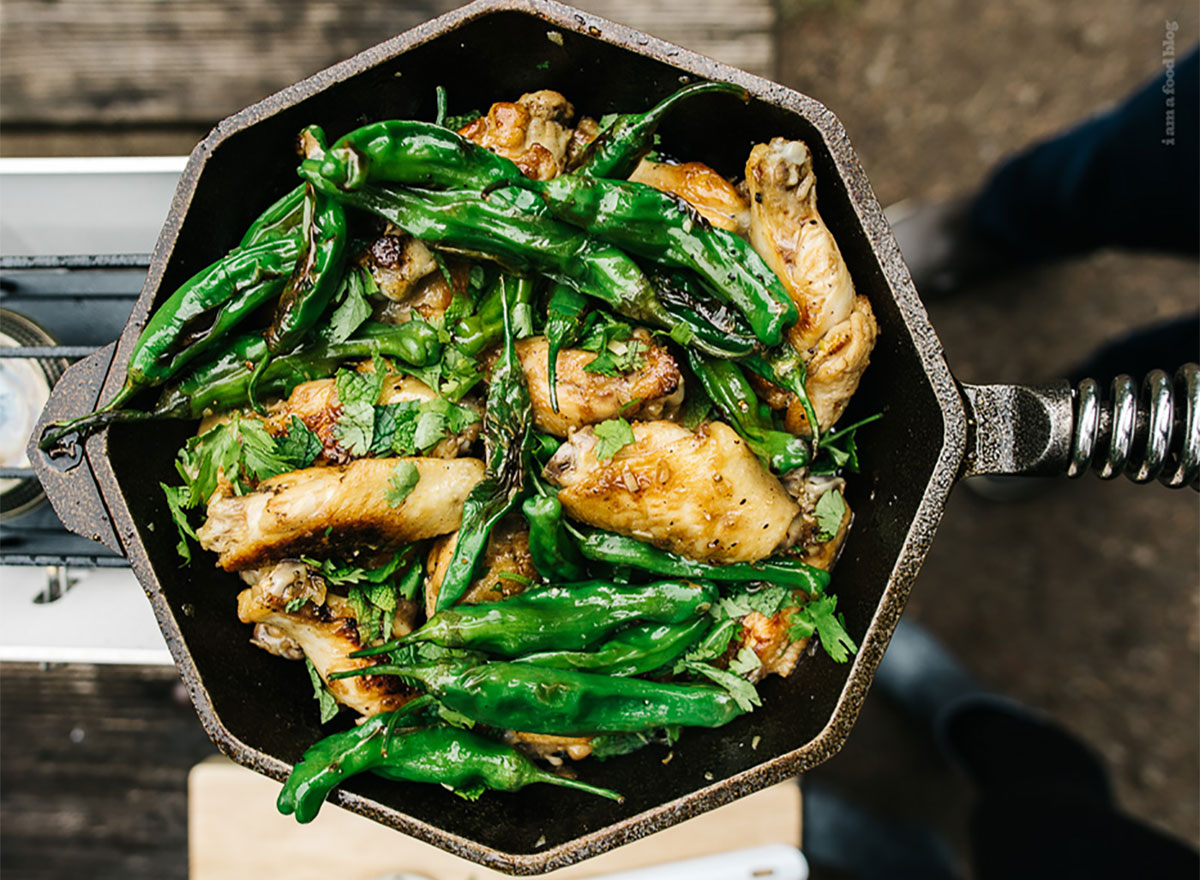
point(83, 301)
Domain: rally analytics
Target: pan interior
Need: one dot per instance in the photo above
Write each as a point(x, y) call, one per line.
point(265, 702)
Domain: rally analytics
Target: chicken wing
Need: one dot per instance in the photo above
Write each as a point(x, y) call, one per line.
point(534, 132)
point(653, 391)
point(703, 495)
point(326, 634)
point(836, 329)
point(707, 191)
point(316, 404)
point(397, 261)
point(506, 568)
point(342, 510)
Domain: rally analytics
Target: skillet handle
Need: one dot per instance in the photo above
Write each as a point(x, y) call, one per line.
point(67, 479)
point(1044, 430)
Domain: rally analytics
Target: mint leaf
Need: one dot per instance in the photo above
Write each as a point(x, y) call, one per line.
point(366, 615)
point(351, 308)
point(408, 585)
point(830, 511)
point(328, 705)
point(403, 480)
point(175, 504)
point(299, 446)
point(696, 407)
point(431, 428)
point(614, 435)
point(818, 616)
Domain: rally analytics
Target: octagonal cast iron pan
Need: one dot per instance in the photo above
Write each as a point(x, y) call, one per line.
point(935, 430)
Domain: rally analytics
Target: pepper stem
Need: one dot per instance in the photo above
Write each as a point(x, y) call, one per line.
point(85, 424)
point(548, 777)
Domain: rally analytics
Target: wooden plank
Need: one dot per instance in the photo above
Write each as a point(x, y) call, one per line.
point(178, 63)
point(235, 832)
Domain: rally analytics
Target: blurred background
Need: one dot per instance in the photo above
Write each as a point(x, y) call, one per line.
point(1082, 602)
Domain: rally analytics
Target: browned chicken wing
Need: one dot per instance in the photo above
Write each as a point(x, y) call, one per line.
point(342, 510)
point(653, 391)
point(507, 565)
point(703, 495)
point(533, 132)
point(707, 191)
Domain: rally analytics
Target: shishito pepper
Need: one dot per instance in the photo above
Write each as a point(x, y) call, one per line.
point(564, 702)
point(634, 651)
point(281, 220)
point(622, 550)
point(617, 150)
point(729, 389)
point(664, 228)
point(465, 762)
point(564, 318)
point(555, 556)
point(570, 617)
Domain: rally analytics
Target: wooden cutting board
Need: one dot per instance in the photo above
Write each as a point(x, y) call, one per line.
point(234, 832)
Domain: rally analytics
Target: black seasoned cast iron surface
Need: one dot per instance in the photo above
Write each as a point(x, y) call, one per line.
point(258, 708)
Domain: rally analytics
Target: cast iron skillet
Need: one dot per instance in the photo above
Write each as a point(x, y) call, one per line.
point(259, 709)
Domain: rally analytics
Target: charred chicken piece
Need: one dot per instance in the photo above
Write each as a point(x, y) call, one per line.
point(836, 329)
point(703, 495)
point(714, 197)
point(397, 262)
point(316, 404)
point(506, 568)
point(326, 634)
point(342, 510)
point(534, 132)
point(654, 391)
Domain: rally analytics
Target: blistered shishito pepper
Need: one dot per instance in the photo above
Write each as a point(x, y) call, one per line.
point(318, 273)
point(555, 555)
point(506, 429)
point(717, 328)
point(664, 228)
point(465, 762)
point(414, 153)
point(729, 389)
point(564, 317)
point(564, 702)
point(618, 149)
point(194, 320)
point(634, 651)
point(569, 618)
point(787, 370)
point(281, 220)
point(622, 550)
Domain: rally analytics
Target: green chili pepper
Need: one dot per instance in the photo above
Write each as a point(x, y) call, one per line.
point(564, 702)
point(193, 320)
point(729, 389)
point(662, 227)
point(319, 272)
point(787, 370)
point(548, 618)
point(622, 550)
point(415, 153)
point(555, 555)
point(564, 317)
point(281, 220)
point(713, 326)
point(617, 150)
point(465, 762)
point(506, 430)
point(485, 327)
point(635, 651)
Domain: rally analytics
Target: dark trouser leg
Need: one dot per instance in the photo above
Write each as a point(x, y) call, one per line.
point(1110, 181)
point(1165, 346)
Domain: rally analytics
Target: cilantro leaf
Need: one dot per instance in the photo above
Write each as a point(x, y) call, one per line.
point(696, 407)
point(175, 501)
point(403, 480)
point(818, 616)
point(743, 692)
point(431, 428)
point(682, 334)
point(299, 446)
point(366, 615)
point(766, 601)
point(830, 511)
point(746, 662)
point(619, 359)
point(461, 121)
point(294, 605)
point(328, 705)
point(357, 393)
point(614, 435)
point(712, 646)
point(600, 330)
point(350, 310)
point(407, 586)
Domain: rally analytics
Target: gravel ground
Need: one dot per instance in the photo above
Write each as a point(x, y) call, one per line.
point(1082, 602)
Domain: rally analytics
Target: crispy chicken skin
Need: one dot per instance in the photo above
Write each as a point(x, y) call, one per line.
point(707, 191)
point(534, 132)
point(768, 638)
point(322, 510)
point(653, 391)
point(316, 404)
point(326, 634)
point(703, 495)
point(507, 552)
point(836, 329)
point(397, 262)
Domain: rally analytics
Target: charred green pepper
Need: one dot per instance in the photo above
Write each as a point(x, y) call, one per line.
point(634, 651)
point(564, 317)
point(555, 555)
